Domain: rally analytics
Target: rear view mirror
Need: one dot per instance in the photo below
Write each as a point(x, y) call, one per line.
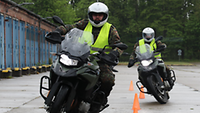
point(57, 19)
point(159, 38)
point(54, 37)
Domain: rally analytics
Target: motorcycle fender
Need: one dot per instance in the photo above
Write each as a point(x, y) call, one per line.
point(143, 76)
point(158, 77)
point(52, 92)
point(69, 97)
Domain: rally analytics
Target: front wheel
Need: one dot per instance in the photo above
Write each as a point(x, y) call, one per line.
point(155, 88)
point(59, 101)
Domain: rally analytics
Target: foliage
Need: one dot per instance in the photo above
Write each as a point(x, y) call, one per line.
point(48, 8)
point(177, 20)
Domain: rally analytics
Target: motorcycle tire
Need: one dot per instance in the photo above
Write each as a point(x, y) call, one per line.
point(60, 100)
point(160, 95)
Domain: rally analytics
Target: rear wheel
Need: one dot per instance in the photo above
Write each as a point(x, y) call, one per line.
point(155, 88)
point(59, 101)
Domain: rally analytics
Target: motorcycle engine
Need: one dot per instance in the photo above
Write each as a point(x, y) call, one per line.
point(84, 107)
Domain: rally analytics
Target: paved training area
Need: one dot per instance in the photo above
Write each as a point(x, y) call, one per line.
point(21, 94)
point(183, 99)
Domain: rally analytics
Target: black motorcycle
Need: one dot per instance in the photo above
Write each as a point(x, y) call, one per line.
point(151, 73)
point(74, 83)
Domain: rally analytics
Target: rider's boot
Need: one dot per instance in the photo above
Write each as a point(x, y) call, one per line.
point(98, 102)
point(95, 107)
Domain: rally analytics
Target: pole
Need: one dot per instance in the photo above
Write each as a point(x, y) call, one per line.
point(39, 32)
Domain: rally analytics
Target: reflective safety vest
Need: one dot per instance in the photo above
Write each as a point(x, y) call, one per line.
point(102, 38)
point(153, 47)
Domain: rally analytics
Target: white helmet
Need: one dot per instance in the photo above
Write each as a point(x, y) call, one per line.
point(98, 7)
point(148, 34)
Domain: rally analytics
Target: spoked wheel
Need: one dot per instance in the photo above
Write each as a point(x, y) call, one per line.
point(157, 91)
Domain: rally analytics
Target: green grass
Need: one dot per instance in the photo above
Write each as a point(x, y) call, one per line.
point(172, 63)
point(177, 63)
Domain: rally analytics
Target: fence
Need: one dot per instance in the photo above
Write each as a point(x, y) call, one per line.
point(22, 41)
point(21, 45)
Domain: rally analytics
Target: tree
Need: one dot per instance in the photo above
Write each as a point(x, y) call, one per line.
point(177, 20)
point(48, 8)
point(192, 28)
point(81, 8)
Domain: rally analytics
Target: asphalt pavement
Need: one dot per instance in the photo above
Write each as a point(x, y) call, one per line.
point(21, 94)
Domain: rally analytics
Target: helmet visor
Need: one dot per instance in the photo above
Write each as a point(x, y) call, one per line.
point(148, 36)
point(91, 14)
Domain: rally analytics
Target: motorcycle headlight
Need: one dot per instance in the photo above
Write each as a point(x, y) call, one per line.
point(146, 62)
point(67, 61)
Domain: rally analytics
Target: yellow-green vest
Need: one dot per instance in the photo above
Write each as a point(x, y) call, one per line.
point(102, 38)
point(153, 46)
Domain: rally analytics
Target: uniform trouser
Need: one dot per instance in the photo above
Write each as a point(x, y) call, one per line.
point(107, 79)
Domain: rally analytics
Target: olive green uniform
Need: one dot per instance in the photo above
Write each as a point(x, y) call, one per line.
point(106, 76)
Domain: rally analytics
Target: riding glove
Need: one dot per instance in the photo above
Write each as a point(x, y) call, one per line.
point(114, 54)
point(131, 63)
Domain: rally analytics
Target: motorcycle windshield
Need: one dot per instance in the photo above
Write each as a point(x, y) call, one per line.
point(77, 42)
point(144, 52)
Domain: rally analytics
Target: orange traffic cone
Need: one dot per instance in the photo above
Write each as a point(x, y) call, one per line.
point(141, 96)
point(136, 105)
point(131, 86)
point(135, 111)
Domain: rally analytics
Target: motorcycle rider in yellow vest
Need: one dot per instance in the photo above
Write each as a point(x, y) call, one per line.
point(148, 38)
point(104, 34)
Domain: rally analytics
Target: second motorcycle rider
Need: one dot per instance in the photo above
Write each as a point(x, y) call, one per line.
point(148, 35)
